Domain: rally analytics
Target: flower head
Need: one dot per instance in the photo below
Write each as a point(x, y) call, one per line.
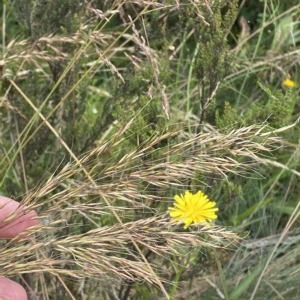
point(289, 83)
point(193, 208)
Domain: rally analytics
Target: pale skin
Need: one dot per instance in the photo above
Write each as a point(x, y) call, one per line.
point(10, 290)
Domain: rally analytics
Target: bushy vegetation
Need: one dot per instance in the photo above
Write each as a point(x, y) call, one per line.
point(110, 108)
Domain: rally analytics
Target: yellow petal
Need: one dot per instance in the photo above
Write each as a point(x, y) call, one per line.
point(188, 221)
point(179, 200)
point(175, 214)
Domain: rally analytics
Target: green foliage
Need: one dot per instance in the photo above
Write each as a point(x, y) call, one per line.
point(141, 101)
point(275, 109)
point(229, 194)
point(42, 18)
point(213, 61)
point(60, 95)
point(230, 117)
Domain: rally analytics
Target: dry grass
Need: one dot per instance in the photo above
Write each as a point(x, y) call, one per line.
point(72, 204)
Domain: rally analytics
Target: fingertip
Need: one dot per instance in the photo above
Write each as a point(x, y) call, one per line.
point(10, 290)
point(19, 223)
point(17, 226)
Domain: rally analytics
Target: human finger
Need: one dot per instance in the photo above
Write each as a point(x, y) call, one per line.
point(10, 290)
point(20, 220)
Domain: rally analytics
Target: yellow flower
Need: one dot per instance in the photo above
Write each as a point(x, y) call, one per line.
point(193, 208)
point(289, 83)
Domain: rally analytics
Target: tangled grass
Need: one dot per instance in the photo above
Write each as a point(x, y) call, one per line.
point(86, 210)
